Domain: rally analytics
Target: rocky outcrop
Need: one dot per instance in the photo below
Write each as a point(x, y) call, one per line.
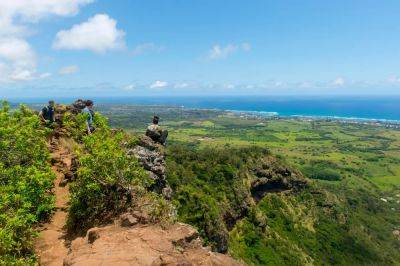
point(272, 177)
point(143, 244)
point(77, 106)
point(151, 156)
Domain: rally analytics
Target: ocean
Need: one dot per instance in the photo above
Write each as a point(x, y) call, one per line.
point(360, 107)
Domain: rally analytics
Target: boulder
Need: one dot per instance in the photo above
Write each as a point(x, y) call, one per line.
point(128, 219)
point(143, 218)
point(93, 234)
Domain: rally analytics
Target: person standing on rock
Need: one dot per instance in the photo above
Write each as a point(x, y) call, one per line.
point(88, 111)
point(155, 132)
point(47, 114)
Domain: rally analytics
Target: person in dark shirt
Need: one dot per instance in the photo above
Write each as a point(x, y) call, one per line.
point(155, 132)
point(47, 114)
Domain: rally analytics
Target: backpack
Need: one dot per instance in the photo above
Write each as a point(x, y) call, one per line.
point(48, 113)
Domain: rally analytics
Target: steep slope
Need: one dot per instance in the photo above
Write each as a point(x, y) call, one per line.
point(249, 203)
point(134, 225)
point(216, 188)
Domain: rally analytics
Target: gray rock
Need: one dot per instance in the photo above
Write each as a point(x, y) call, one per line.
point(128, 219)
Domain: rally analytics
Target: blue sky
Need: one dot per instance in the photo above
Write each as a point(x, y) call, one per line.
point(203, 47)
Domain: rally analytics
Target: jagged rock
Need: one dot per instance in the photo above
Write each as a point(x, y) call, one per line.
point(273, 178)
point(127, 220)
point(93, 234)
point(141, 216)
point(152, 157)
point(184, 235)
point(145, 245)
point(77, 106)
point(148, 143)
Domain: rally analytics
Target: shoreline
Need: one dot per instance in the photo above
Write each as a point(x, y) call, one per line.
point(267, 114)
point(272, 114)
point(389, 123)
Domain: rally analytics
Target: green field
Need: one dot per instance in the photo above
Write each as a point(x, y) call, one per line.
point(345, 217)
point(360, 154)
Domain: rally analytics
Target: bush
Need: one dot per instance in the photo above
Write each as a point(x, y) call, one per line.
point(315, 172)
point(109, 181)
point(26, 180)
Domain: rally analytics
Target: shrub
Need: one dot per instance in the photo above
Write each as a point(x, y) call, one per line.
point(315, 172)
point(26, 180)
point(109, 181)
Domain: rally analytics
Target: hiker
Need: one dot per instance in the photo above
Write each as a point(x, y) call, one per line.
point(88, 110)
point(47, 114)
point(155, 132)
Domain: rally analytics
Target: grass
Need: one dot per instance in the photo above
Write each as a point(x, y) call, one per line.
point(353, 166)
point(357, 150)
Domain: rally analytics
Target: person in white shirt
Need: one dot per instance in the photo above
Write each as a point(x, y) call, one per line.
point(88, 110)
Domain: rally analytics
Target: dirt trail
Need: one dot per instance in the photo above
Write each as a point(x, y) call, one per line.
point(50, 246)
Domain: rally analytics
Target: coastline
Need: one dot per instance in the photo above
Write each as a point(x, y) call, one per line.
point(350, 120)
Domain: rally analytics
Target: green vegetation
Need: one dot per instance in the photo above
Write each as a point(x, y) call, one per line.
point(108, 181)
point(346, 216)
point(319, 225)
point(210, 189)
point(26, 180)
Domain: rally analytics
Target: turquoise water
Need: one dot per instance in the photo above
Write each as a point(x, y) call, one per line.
point(383, 108)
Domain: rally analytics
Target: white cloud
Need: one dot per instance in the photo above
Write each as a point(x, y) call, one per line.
point(17, 51)
point(218, 52)
point(146, 48)
point(393, 79)
point(45, 75)
point(34, 10)
point(339, 81)
point(67, 70)
point(229, 86)
point(129, 87)
point(158, 84)
point(22, 75)
point(17, 57)
point(306, 85)
point(99, 34)
point(182, 85)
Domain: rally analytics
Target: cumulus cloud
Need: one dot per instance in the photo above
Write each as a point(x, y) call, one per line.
point(220, 52)
point(17, 57)
point(67, 70)
point(158, 84)
point(147, 48)
point(339, 81)
point(34, 10)
point(99, 34)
